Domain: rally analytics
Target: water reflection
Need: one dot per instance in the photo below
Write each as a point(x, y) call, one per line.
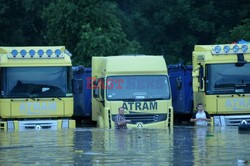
point(92, 146)
point(127, 146)
point(36, 147)
point(200, 145)
point(183, 145)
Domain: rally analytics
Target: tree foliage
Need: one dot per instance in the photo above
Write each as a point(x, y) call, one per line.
point(172, 28)
point(21, 22)
point(88, 28)
point(100, 28)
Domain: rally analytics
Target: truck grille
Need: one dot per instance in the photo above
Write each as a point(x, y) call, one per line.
point(144, 118)
point(232, 120)
point(38, 125)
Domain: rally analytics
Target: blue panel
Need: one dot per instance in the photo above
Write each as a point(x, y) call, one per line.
point(183, 94)
point(82, 99)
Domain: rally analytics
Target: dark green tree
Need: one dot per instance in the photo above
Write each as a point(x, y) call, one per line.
point(21, 22)
point(100, 28)
point(238, 32)
point(241, 31)
point(87, 28)
point(173, 27)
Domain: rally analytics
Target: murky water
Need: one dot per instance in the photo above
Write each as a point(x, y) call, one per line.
point(92, 146)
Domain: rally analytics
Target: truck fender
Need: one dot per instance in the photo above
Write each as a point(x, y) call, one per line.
point(100, 122)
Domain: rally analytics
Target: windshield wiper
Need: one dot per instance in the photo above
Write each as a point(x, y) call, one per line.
point(156, 98)
point(143, 99)
point(224, 85)
point(130, 99)
point(240, 85)
point(127, 99)
point(59, 97)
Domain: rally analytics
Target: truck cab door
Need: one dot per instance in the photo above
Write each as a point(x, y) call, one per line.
point(98, 94)
point(198, 73)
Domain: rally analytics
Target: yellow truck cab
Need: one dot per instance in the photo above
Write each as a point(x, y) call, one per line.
point(139, 84)
point(221, 80)
point(35, 86)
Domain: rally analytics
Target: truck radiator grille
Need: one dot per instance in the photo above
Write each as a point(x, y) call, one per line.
point(231, 120)
point(144, 118)
point(38, 125)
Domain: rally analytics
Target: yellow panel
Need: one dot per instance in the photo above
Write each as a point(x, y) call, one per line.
point(5, 108)
point(210, 104)
point(59, 124)
point(68, 105)
point(43, 107)
point(16, 125)
point(137, 64)
point(233, 104)
point(72, 124)
point(31, 109)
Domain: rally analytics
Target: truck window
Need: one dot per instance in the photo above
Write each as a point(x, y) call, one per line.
point(227, 79)
point(138, 87)
point(36, 81)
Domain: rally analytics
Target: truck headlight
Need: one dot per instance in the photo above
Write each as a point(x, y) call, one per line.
point(217, 121)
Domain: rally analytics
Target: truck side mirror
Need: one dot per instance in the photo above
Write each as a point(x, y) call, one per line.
point(201, 78)
point(198, 72)
point(96, 89)
point(195, 72)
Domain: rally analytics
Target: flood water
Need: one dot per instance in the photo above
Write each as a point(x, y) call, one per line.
point(91, 146)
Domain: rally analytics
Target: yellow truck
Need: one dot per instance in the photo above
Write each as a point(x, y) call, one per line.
point(36, 90)
point(139, 84)
point(221, 80)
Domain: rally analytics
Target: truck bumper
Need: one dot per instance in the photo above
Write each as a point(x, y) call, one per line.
point(230, 120)
point(41, 124)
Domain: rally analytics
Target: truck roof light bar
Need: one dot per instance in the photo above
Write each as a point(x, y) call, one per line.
point(41, 53)
point(230, 49)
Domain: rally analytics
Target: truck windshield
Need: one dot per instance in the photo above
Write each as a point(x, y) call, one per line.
point(35, 81)
point(227, 79)
point(138, 88)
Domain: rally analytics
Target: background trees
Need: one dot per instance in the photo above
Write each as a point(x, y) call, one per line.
point(100, 28)
point(88, 28)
